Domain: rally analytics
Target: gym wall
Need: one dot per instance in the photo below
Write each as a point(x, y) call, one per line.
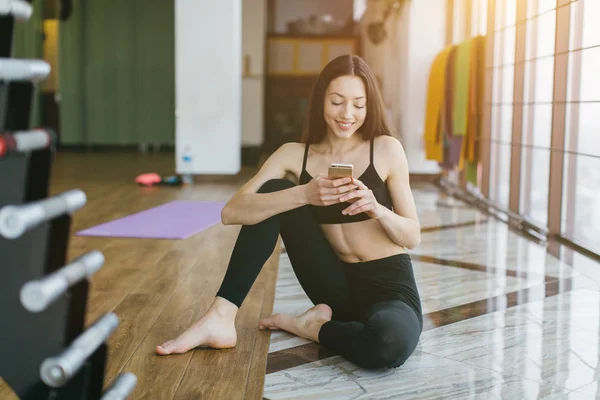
point(27, 43)
point(117, 73)
point(208, 86)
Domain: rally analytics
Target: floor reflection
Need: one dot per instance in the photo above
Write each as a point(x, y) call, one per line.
point(503, 319)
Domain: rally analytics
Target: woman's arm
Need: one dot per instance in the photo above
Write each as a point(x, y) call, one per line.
point(247, 207)
point(402, 224)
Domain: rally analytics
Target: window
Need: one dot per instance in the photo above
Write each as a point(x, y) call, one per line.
point(479, 17)
point(537, 112)
point(542, 106)
point(581, 207)
point(459, 26)
point(502, 101)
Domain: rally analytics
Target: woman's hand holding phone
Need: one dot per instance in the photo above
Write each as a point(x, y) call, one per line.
point(322, 191)
point(363, 200)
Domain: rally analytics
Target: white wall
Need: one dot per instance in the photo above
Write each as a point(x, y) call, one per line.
point(374, 55)
point(403, 61)
point(208, 72)
point(254, 30)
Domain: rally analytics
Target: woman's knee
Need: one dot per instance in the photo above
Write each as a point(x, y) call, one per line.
point(389, 349)
point(275, 185)
point(392, 342)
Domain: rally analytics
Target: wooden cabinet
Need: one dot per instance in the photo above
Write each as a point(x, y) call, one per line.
point(302, 56)
point(293, 64)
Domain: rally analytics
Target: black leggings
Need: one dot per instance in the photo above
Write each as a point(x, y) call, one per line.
point(377, 318)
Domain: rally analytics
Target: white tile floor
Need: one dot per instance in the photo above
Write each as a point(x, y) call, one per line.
point(543, 348)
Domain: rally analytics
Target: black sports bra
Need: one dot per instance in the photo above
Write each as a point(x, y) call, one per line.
point(333, 214)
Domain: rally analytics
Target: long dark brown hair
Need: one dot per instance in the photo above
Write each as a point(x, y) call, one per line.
point(375, 123)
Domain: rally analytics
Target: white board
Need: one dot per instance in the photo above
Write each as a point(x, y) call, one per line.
point(208, 86)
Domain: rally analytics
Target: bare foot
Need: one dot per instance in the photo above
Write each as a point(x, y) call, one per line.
point(306, 325)
point(216, 329)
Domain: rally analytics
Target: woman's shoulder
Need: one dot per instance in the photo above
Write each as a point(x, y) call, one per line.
point(291, 148)
point(388, 155)
point(288, 154)
point(388, 146)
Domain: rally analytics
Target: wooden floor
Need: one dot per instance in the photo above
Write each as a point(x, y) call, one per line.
point(6, 392)
point(159, 287)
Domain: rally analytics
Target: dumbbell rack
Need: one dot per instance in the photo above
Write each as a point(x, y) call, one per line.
point(46, 352)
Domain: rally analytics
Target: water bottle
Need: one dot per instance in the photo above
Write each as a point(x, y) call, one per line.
point(187, 166)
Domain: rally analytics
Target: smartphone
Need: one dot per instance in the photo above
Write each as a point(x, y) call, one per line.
point(337, 170)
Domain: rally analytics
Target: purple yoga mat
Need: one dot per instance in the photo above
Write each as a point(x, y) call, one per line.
point(175, 220)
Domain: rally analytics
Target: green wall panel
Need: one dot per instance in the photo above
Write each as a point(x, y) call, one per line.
point(126, 80)
point(70, 79)
point(28, 43)
point(156, 78)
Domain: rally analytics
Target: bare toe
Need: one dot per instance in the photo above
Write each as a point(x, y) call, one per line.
point(165, 348)
point(270, 323)
point(321, 311)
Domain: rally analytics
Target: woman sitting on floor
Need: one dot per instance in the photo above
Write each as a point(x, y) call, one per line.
point(346, 237)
